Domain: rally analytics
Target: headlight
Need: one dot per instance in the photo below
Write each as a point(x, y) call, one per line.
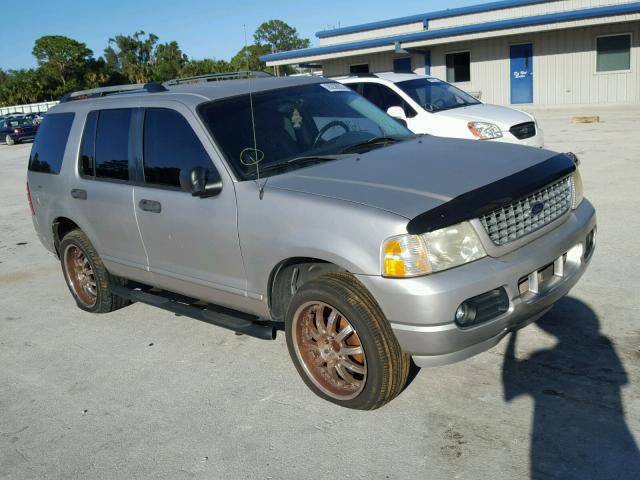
point(404, 256)
point(577, 193)
point(413, 255)
point(484, 130)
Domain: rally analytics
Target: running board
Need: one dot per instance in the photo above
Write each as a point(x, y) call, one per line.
point(213, 314)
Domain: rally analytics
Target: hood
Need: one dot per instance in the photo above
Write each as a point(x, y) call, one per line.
point(414, 176)
point(504, 117)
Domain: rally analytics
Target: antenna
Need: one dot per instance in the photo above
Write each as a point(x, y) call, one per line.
point(256, 158)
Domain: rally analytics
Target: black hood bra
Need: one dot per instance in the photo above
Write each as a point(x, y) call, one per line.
point(492, 196)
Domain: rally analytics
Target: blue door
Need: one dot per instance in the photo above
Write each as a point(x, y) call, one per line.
point(521, 73)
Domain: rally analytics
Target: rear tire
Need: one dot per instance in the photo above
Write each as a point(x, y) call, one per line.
point(9, 140)
point(87, 278)
point(342, 345)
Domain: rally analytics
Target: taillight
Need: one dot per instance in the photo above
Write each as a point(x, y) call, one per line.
point(33, 212)
point(17, 130)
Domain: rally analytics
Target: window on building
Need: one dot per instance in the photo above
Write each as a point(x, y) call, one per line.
point(613, 53)
point(48, 150)
point(170, 145)
point(360, 68)
point(113, 144)
point(458, 67)
point(402, 65)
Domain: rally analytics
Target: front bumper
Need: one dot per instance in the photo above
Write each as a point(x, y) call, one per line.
point(421, 310)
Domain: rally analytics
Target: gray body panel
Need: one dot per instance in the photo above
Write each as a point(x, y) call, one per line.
point(225, 249)
point(412, 177)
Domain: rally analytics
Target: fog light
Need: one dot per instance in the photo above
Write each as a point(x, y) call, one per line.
point(590, 243)
point(482, 308)
point(465, 314)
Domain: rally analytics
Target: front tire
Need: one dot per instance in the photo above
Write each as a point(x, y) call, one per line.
point(342, 345)
point(87, 278)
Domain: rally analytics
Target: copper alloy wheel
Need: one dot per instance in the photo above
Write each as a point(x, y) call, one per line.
point(329, 350)
point(80, 276)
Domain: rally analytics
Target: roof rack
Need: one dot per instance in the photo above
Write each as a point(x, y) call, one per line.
point(216, 77)
point(113, 90)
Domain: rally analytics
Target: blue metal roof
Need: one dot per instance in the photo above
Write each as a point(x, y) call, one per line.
point(466, 29)
point(425, 17)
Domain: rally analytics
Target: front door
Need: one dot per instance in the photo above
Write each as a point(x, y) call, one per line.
point(521, 73)
point(192, 242)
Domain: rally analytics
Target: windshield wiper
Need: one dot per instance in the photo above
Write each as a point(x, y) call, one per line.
point(297, 161)
point(385, 140)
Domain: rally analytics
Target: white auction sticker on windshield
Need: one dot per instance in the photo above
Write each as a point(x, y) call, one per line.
point(335, 87)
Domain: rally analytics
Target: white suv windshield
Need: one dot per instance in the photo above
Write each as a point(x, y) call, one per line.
point(435, 95)
point(296, 126)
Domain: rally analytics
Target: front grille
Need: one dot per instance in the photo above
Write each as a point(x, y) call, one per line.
point(528, 214)
point(523, 130)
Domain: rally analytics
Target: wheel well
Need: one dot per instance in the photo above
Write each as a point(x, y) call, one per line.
point(61, 226)
point(288, 276)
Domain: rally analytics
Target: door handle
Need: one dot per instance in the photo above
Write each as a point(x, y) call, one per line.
point(150, 206)
point(79, 194)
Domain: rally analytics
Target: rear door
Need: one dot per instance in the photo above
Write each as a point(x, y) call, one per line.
point(192, 242)
point(102, 193)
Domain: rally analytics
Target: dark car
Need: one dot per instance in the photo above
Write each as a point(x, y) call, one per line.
point(15, 130)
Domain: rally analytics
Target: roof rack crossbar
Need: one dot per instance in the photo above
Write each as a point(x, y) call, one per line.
point(113, 90)
point(216, 77)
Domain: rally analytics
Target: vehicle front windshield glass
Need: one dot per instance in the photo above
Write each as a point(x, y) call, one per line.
point(296, 127)
point(435, 95)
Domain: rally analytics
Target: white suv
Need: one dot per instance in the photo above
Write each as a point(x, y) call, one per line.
point(429, 105)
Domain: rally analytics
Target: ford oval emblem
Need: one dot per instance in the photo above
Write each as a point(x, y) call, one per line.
point(536, 208)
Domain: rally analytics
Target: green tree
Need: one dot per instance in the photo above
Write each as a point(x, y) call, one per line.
point(22, 86)
point(132, 56)
point(193, 68)
point(277, 36)
point(62, 59)
point(248, 58)
point(168, 61)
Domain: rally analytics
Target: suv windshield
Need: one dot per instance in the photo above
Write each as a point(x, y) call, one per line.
point(435, 95)
point(296, 127)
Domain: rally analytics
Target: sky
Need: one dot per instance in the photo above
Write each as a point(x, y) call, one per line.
point(203, 29)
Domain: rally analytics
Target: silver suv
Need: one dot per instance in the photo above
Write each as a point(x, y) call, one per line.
point(265, 204)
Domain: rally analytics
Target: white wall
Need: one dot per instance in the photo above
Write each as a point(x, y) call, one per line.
point(564, 66)
point(32, 107)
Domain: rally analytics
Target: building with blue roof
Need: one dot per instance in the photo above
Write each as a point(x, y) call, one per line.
point(550, 52)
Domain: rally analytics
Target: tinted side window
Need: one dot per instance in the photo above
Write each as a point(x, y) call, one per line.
point(170, 144)
point(383, 97)
point(112, 144)
point(87, 148)
point(48, 150)
point(354, 86)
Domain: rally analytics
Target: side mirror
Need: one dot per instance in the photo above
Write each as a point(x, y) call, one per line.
point(398, 113)
point(201, 182)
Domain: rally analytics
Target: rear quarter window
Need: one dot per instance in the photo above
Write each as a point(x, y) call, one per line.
point(48, 150)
